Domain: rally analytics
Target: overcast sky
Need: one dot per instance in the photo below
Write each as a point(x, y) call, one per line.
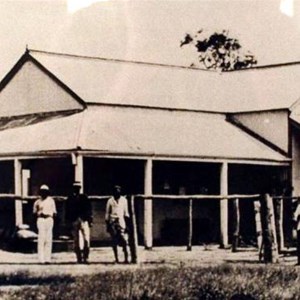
point(146, 30)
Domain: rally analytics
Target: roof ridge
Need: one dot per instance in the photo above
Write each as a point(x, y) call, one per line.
point(149, 107)
point(268, 66)
point(116, 60)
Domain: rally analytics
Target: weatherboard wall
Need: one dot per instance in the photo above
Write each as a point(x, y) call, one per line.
point(296, 160)
point(272, 126)
point(32, 91)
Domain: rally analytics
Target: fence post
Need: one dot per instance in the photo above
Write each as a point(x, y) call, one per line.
point(236, 225)
point(258, 226)
point(224, 205)
point(133, 232)
point(190, 227)
point(279, 223)
point(296, 219)
point(268, 230)
point(78, 170)
point(148, 205)
point(18, 191)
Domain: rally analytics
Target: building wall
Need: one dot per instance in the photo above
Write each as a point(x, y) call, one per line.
point(170, 225)
point(296, 161)
point(100, 175)
point(251, 179)
point(170, 217)
point(271, 125)
point(7, 206)
point(32, 91)
point(57, 173)
point(98, 230)
point(7, 218)
point(7, 177)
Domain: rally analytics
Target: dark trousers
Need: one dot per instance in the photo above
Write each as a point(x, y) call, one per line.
point(118, 234)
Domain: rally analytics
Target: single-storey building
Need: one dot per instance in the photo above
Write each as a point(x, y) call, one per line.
point(154, 129)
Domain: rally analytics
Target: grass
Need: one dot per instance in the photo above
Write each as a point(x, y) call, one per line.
point(25, 278)
point(236, 282)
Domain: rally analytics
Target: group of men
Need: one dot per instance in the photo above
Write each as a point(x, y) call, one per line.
point(79, 215)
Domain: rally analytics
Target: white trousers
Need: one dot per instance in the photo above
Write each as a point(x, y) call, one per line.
point(45, 227)
point(81, 233)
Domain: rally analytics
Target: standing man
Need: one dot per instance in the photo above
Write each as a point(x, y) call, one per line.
point(44, 208)
point(116, 217)
point(79, 214)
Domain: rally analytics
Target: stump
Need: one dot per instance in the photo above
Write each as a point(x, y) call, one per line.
point(236, 225)
point(268, 230)
point(133, 238)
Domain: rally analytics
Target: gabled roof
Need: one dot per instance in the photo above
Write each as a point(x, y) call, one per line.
point(24, 62)
point(143, 132)
point(99, 80)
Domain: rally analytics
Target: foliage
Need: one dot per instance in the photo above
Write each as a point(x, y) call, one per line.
point(218, 282)
point(219, 51)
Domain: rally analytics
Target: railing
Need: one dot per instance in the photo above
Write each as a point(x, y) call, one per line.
point(192, 198)
point(198, 197)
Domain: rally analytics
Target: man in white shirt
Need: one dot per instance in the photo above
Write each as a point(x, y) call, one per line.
point(116, 217)
point(44, 208)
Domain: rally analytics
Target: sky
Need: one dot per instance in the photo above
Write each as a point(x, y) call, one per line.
point(148, 31)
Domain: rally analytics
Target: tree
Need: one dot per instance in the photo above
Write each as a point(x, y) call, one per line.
point(219, 51)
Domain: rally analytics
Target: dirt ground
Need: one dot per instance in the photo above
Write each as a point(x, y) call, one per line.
point(101, 260)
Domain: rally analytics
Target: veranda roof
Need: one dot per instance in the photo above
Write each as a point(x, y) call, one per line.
point(110, 81)
point(141, 132)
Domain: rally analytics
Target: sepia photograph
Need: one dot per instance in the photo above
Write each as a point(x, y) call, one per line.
point(149, 149)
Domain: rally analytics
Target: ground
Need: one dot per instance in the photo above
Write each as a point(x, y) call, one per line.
point(101, 259)
point(162, 273)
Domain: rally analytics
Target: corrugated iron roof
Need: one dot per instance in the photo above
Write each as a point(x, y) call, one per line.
point(110, 81)
point(50, 135)
point(138, 131)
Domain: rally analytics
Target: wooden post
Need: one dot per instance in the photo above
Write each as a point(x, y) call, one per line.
point(79, 171)
point(236, 224)
point(25, 182)
point(133, 232)
point(268, 230)
point(296, 219)
point(258, 226)
point(279, 223)
point(18, 191)
point(190, 226)
point(224, 205)
point(148, 238)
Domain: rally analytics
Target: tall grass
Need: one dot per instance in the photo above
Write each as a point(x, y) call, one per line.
point(220, 282)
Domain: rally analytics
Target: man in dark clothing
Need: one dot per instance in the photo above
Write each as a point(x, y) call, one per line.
point(79, 214)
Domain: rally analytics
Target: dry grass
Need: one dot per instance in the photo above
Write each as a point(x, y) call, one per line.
point(212, 282)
